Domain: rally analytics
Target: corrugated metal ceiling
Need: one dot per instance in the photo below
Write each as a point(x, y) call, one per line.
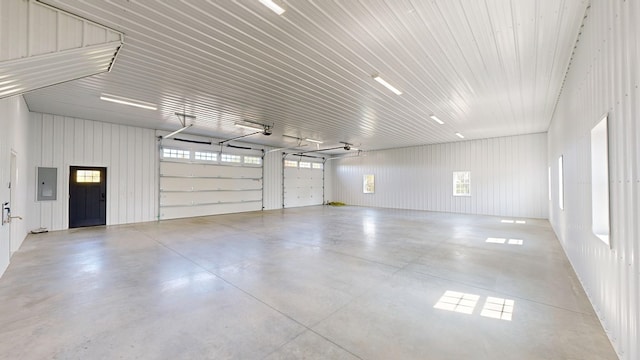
point(486, 68)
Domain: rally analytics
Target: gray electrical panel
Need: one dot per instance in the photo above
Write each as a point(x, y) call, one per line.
point(47, 183)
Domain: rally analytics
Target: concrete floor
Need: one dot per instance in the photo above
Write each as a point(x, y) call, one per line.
point(307, 283)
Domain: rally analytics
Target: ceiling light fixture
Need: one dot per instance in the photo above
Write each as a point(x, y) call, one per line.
point(313, 141)
point(273, 6)
point(460, 135)
point(250, 127)
point(127, 101)
point(386, 84)
point(434, 118)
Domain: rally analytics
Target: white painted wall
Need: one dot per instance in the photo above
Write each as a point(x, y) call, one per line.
point(603, 78)
point(128, 153)
point(508, 177)
point(14, 117)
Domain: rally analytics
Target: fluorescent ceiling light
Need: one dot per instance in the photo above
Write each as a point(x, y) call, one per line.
point(250, 127)
point(387, 85)
point(273, 6)
point(127, 101)
point(313, 141)
point(460, 135)
point(434, 118)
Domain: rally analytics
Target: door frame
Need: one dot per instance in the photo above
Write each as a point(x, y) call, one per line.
point(13, 197)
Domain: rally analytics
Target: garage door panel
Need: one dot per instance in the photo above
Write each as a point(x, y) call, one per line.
point(177, 212)
point(198, 184)
point(168, 168)
point(295, 182)
point(208, 197)
point(303, 187)
point(190, 187)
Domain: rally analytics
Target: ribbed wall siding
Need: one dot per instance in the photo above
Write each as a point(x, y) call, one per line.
point(129, 153)
point(603, 78)
point(14, 117)
point(272, 180)
point(508, 177)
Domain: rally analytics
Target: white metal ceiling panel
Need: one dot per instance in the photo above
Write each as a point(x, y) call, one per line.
point(486, 68)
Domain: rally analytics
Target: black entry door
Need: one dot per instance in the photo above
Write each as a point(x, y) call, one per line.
point(87, 196)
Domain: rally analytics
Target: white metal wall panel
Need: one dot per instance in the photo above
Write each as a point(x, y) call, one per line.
point(272, 180)
point(14, 117)
point(128, 153)
point(508, 177)
point(303, 187)
point(49, 46)
point(31, 28)
point(603, 78)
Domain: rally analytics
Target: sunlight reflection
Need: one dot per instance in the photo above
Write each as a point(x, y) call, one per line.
point(504, 241)
point(182, 282)
point(458, 302)
point(498, 308)
point(507, 221)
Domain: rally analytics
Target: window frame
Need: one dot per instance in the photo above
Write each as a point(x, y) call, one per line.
point(455, 183)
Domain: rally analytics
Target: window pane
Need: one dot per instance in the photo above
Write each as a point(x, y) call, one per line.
point(204, 155)
point(305, 165)
point(290, 163)
point(462, 183)
point(88, 176)
point(231, 158)
point(175, 153)
point(600, 181)
point(255, 160)
point(560, 184)
point(318, 165)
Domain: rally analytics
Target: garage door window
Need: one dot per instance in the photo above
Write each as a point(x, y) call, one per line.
point(207, 156)
point(231, 158)
point(252, 160)
point(169, 153)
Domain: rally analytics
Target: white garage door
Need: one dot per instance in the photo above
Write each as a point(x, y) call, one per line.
point(204, 182)
point(303, 183)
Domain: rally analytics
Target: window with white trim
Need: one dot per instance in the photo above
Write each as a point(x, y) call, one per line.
point(253, 160)
point(206, 155)
point(462, 183)
point(317, 166)
point(560, 184)
point(600, 181)
point(290, 163)
point(169, 153)
point(305, 165)
point(231, 158)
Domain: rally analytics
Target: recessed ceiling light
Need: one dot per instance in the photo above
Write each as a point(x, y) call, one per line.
point(314, 141)
point(273, 6)
point(386, 84)
point(434, 118)
point(460, 135)
point(127, 101)
point(249, 127)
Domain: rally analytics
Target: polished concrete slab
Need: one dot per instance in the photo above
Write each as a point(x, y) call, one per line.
point(308, 283)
